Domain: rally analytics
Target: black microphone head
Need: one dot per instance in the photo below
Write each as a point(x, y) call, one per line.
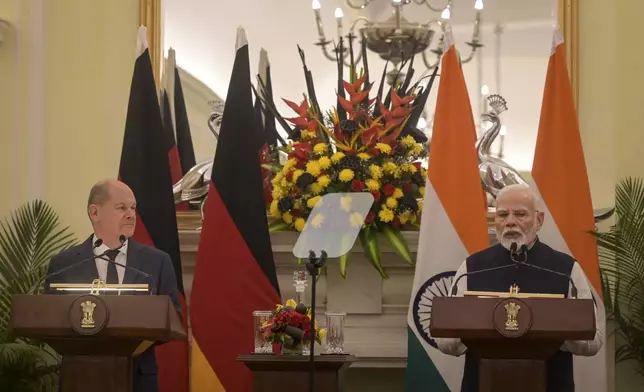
point(524, 248)
point(122, 238)
point(98, 243)
point(513, 247)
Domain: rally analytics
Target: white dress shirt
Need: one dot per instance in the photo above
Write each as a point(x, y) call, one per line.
point(454, 346)
point(101, 264)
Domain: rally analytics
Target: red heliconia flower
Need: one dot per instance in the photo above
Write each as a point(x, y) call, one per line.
point(388, 190)
point(302, 109)
point(376, 195)
point(370, 136)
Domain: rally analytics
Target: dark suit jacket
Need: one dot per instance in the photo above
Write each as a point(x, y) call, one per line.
point(142, 257)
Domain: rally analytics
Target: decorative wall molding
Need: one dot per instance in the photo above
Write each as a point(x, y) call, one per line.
point(568, 18)
point(150, 16)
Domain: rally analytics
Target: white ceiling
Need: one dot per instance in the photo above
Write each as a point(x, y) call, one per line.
point(203, 34)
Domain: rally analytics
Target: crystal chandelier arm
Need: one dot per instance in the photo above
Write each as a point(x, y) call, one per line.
point(364, 4)
point(435, 9)
point(426, 60)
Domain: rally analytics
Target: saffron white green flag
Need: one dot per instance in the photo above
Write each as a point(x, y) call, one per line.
point(453, 226)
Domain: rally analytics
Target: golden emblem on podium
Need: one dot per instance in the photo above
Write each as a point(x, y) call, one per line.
point(512, 311)
point(514, 290)
point(88, 314)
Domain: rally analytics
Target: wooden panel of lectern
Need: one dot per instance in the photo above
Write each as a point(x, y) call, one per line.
point(513, 334)
point(97, 333)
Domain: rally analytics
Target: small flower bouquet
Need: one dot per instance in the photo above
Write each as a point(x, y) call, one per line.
point(290, 325)
point(362, 145)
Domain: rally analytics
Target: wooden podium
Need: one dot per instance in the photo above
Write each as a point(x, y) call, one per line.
point(513, 336)
point(272, 372)
point(98, 335)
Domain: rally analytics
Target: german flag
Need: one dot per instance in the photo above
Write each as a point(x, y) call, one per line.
point(184, 137)
point(235, 272)
point(169, 140)
point(145, 168)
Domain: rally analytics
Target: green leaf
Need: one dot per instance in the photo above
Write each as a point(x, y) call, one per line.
point(344, 259)
point(398, 242)
point(277, 225)
point(273, 167)
point(29, 238)
point(621, 260)
point(369, 239)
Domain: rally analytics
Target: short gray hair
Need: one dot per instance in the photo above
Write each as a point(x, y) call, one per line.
point(99, 194)
point(521, 187)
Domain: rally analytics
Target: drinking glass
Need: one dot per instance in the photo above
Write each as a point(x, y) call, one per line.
point(335, 332)
point(262, 346)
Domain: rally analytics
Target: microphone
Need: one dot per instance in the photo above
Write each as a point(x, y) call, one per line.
point(524, 250)
point(138, 271)
point(455, 285)
point(96, 244)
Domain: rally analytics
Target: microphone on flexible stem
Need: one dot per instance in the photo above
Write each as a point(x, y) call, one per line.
point(96, 244)
point(455, 285)
point(524, 250)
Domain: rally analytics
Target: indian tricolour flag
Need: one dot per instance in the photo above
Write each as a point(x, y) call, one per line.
point(559, 176)
point(453, 225)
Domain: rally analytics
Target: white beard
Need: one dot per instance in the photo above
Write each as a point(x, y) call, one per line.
point(522, 239)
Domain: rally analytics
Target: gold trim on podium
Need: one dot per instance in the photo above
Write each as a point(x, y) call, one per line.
point(98, 286)
point(510, 295)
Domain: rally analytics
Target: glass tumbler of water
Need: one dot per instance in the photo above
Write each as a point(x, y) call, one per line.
point(335, 332)
point(262, 346)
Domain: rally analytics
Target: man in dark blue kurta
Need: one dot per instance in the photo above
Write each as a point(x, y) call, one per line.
point(518, 220)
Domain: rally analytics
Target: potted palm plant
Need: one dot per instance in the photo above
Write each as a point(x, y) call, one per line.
point(621, 258)
point(28, 239)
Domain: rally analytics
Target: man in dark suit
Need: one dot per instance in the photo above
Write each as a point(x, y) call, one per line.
point(112, 210)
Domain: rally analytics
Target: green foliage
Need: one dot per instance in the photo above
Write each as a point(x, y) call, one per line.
point(28, 240)
point(621, 258)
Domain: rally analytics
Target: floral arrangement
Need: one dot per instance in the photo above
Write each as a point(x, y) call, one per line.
point(362, 145)
point(291, 324)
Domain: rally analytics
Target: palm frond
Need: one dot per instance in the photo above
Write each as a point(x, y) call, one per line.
point(29, 237)
point(621, 258)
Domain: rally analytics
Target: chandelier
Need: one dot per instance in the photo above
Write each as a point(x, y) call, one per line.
point(395, 39)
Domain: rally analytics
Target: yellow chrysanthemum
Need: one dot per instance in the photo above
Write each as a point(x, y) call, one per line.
point(404, 217)
point(420, 206)
point(289, 164)
point(386, 215)
point(320, 148)
point(297, 205)
point(356, 219)
point(316, 188)
point(417, 149)
point(322, 333)
point(308, 134)
point(324, 181)
point(314, 168)
point(408, 167)
point(392, 202)
point(346, 175)
point(384, 148)
point(287, 218)
point(372, 185)
point(296, 174)
point(324, 162)
point(389, 167)
point(408, 141)
point(376, 171)
point(421, 190)
point(291, 304)
point(277, 179)
point(337, 156)
point(345, 203)
point(284, 183)
point(364, 156)
point(312, 201)
point(299, 224)
point(317, 220)
point(274, 209)
point(398, 193)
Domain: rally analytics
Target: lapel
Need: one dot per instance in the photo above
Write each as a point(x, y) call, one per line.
point(134, 260)
point(88, 270)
